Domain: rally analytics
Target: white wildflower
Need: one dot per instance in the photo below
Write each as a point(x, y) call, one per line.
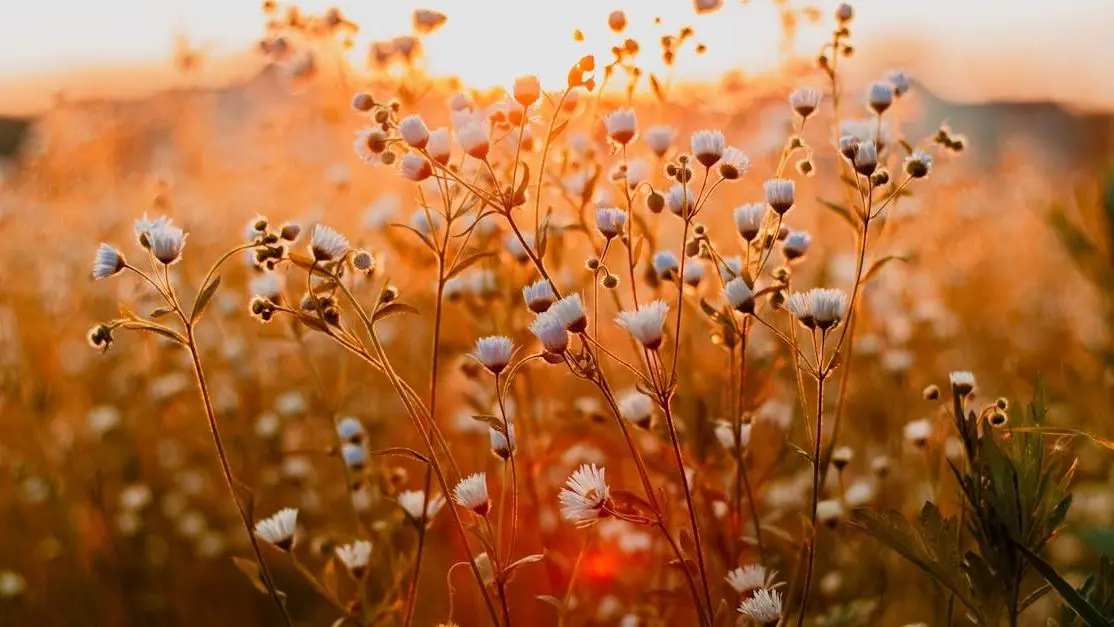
point(279, 528)
point(585, 497)
point(646, 324)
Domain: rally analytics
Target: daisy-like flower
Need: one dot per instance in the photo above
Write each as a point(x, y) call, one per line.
point(144, 225)
point(805, 100)
point(494, 352)
point(866, 158)
point(680, 200)
point(899, 80)
point(351, 430)
point(610, 221)
point(415, 168)
point(707, 146)
point(694, 274)
point(551, 333)
point(859, 493)
point(108, 262)
point(749, 219)
point(279, 528)
point(796, 245)
point(474, 140)
point(879, 96)
point(665, 264)
point(726, 435)
point(471, 493)
point(637, 408)
point(440, 146)
point(646, 324)
point(799, 305)
point(414, 131)
point(763, 607)
point(918, 432)
point(828, 306)
point(355, 557)
point(749, 578)
point(569, 313)
point(918, 164)
point(963, 381)
point(326, 243)
point(354, 456)
point(622, 126)
point(503, 446)
point(781, 194)
point(369, 144)
point(660, 138)
point(539, 295)
point(411, 502)
point(585, 497)
point(527, 90)
point(166, 241)
point(829, 512)
point(732, 267)
point(734, 163)
point(739, 295)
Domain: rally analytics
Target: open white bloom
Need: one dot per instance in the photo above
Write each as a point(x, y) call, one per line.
point(796, 245)
point(963, 381)
point(899, 80)
point(414, 168)
point(781, 194)
point(166, 241)
point(763, 607)
point(494, 352)
point(350, 429)
point(144, 225)
point(694, 273)
point(474, 139)
point(739, 295)
point(665, 263)
point(411, 502)
point(818, 308)
point(805, 100)
point(279, 528)
point(918, 432)
point(725, 434)
point(749, 578)
point(880, 96)
point(586, 494)
point(866, 158)
point(370, 144)
point(355, 557)
point(610, 221)
point(829, 512)
point(414, 131)
point(354, 456)
point(622, 125)
point(680, 200)
point(646, 324)
point(637, 408)
point(707, 146)
point(660, 138)
point(734, 163)
point(569, 312)
point(440, 145)
point(108, 262)
point(516, 247)
point(503, 446)
point(552, 334)
point(859, 493)
point(326, 243)
point(471, 493)
point(539, 295)
point(749, 219)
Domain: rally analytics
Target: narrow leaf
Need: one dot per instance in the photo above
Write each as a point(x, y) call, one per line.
point(1071, 596)
point(391, 309)
point(204, 297)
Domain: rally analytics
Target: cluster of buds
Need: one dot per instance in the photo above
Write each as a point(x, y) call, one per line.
point(269, 245)
point(945, 138)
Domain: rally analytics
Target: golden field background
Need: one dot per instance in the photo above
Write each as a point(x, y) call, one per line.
point(1006, 272)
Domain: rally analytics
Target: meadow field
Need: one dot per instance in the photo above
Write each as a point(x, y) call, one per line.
point(350, 344)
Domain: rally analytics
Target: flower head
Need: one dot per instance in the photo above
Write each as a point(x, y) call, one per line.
point(660, 138)
point(665, 264)
point(108, 262)
point(355, 557)
point(412, 502)
point(326, 243)
point(818, 308)
point(866, 158)
point(739, 295)
point(440, 146)
point(918, 432)
point(414, 131)
point(354, 456)
point(880, 96)
point(694, 273)
point(780, 194)
point(569, 313)
point(731, 439)
point(474, 140)
point(637, 408)
point(552, 334)
point(610, 221)
point(351, 430)
point(707, 146)
point(586, 494)
point(796, 245)
point(494, 352)
point(527, 90)
point(369, 144)
point(503, 445)
point(963, 381)
point(805, 100)
point(539, 295)
point(279, 528)
point(680, 200)
point(646, 323)
point(471, 493)
point(415, 168)
point(763, 607)
point(144, 225)
point(166, 241)
point(749, 578)
point(918, 164)
point(734, 163)
point(749, 220)
point(622, 126)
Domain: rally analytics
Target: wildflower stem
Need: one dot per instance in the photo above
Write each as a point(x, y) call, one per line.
point(412, 596)
point(816, 463)
point(511, 446)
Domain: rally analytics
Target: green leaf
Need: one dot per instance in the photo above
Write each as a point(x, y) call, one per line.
point(1070, 595)
point(204, 297)
point(1102, 540)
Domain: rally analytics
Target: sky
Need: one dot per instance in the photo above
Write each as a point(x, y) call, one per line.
point(976, 48)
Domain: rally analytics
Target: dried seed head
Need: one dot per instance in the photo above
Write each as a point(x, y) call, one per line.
point(880, 466)
point(610, 221)
point(1002, 403)
point(415, 168)
point(681, 201)
point(646, 324)
point(290, 232)
point(474, 140)
point(997, 418)
point(610, 281)
point(363, 261)
point(363, 102)
point(655, 202)
point(844, 13)
point(805, 167)
point(440, 146)
point(880, 177)
point(918, 432)
point(539, 295)
point(100, 337)
point(665, 264)
point(918, 165)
